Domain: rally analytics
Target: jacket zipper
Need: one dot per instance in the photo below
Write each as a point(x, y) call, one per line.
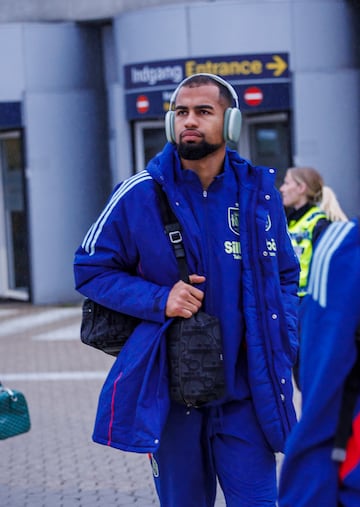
point(208, 295)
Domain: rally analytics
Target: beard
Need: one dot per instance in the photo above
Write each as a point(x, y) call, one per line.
point(196, 151)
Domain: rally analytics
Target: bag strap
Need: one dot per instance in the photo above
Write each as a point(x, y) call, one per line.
point(173, 231)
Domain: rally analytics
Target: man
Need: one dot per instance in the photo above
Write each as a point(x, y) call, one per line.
point(314, 472)
point(243, 270)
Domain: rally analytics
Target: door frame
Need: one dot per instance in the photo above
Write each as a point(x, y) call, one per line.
point(249, 120)
point(7, 269)
point(139, 128)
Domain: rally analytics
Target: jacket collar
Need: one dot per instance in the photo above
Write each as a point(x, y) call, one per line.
point(166, 165)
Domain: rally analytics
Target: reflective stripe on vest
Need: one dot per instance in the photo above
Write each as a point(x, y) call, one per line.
point(301, 233)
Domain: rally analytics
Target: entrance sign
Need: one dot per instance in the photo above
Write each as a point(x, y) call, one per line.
point(245, 66)
point(262, 81)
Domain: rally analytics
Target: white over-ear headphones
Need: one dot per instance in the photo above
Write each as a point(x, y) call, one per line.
point(232, 116)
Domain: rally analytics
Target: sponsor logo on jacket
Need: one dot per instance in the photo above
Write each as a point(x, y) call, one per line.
point(271, 246)
point(234, 248)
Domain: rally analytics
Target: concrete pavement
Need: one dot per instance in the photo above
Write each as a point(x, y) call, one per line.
point(56, 464)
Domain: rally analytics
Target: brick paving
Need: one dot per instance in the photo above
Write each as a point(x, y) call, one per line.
point(56, 464)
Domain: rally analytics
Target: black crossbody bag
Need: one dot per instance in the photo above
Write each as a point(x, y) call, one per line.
point(105, 329)
point(195, 354)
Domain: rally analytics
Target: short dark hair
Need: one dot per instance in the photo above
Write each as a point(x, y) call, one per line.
point(199, 80)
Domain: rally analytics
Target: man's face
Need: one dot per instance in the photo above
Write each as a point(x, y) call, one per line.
point(199, 120)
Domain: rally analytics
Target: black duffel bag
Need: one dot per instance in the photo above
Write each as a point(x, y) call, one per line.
point(105, 329)
point(195, 356)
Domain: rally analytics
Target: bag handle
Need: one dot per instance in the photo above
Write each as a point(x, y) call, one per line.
point(9, 391)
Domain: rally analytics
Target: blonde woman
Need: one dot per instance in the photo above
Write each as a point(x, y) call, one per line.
point(311, 208)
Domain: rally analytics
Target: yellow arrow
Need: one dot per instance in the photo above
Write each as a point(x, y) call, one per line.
point(278, 65)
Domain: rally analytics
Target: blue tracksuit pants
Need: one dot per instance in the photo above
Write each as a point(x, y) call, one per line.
point(199, 446)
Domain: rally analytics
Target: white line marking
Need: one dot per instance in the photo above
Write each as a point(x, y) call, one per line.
point(8, 311)
point(64, 333)
point(13, 326)
point(56, 375)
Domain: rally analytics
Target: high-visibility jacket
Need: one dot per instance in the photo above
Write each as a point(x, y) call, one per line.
point(301, 234)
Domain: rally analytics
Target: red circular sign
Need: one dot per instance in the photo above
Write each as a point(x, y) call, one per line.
point(142, 104)
point(253, 96)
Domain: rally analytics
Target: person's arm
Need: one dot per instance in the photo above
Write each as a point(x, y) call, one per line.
point(330, 316)
point(107, 265)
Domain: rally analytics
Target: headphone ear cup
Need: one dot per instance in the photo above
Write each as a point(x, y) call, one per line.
point(169, 126)
point(232, 124)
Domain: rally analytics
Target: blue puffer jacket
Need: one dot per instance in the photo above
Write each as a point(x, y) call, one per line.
point(330, 317)
point(126, 263)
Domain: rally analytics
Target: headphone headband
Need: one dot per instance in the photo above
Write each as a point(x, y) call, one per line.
point(214, 77)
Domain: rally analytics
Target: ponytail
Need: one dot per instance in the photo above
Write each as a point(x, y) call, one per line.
point(330, 205)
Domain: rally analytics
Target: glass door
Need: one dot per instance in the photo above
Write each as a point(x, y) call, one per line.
point(268, 142)
point(150, 138)
point(14, 257)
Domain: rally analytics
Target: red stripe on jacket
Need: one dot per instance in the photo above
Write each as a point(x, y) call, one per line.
point(352, 459)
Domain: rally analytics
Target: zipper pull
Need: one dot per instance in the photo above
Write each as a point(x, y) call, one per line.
point(205, 193)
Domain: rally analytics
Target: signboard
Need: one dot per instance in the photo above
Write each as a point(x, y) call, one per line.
point(10, 114)
point(262, 82)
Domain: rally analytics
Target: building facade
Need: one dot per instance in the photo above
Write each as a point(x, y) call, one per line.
point(84, 91)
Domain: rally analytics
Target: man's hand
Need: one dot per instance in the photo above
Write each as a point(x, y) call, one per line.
point(184, 299)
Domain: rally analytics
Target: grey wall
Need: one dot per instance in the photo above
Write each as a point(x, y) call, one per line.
point(57, 10)
point(60, 10)
point(326, 96)
point(12, 82)
point(67, 149)
point(57, 72)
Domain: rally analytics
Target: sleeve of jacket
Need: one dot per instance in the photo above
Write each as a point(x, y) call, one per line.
point(329, 317)
point(107, 265)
